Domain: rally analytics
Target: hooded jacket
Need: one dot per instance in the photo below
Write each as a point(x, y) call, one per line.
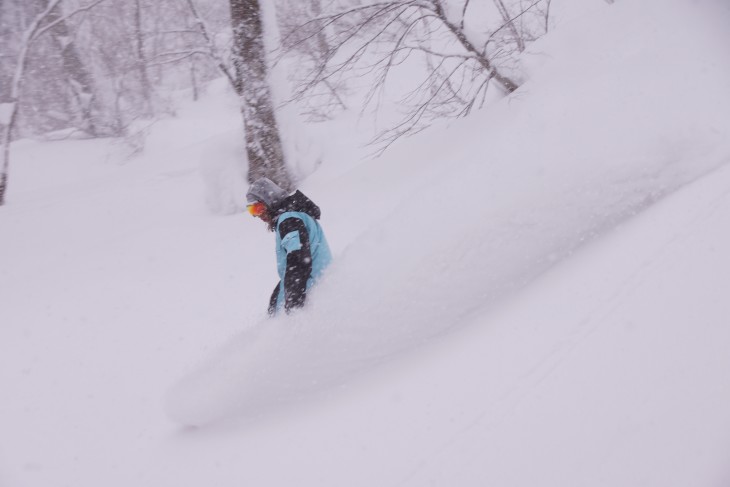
point(302, 252)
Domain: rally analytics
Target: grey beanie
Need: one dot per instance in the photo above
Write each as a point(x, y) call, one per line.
point(266, 191)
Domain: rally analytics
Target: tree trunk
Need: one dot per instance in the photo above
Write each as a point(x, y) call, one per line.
point(263, 143)
point(193, 79)
point(7, 137)
point(142, 59)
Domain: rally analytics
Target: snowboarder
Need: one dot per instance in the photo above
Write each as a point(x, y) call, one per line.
point(302, 252)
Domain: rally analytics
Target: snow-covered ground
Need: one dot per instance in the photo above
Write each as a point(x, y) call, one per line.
point(536, 295)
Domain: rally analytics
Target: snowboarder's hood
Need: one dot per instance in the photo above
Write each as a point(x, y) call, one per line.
point(298, 202)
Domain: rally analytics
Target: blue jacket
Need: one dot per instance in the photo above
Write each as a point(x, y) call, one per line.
point(302, 252)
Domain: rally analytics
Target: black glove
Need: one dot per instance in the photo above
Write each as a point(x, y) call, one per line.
point(273, 300)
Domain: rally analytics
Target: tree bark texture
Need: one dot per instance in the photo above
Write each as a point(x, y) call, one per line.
point(263, 142)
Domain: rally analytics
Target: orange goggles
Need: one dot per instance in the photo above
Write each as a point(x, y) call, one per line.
point(256, 209)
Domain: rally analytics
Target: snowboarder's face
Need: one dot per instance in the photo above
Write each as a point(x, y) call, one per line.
point(259, 210)
point(256, 208)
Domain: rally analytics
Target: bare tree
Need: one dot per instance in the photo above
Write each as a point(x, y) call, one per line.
point(45, 21)
point(459, 62)
point(263, 142)
point(99, 72)
point(210, 48)
point(311, 45)
point(80, 80)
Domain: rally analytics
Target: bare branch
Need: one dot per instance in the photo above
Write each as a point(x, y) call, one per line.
point(180, 56)
point(507, 84)
point(324, 21)
point(320, 75)
point(410, 123)
point(213, 52)
point(171, 32)
point(62, 18)
point(508, 22)
point(374, 39)
point(463, 14)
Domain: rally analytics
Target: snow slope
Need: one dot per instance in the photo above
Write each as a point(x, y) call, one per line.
point(468, 232)
point(611, 369)
point(555, 268)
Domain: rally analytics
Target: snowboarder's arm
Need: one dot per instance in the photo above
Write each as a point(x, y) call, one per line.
point(295, 240)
